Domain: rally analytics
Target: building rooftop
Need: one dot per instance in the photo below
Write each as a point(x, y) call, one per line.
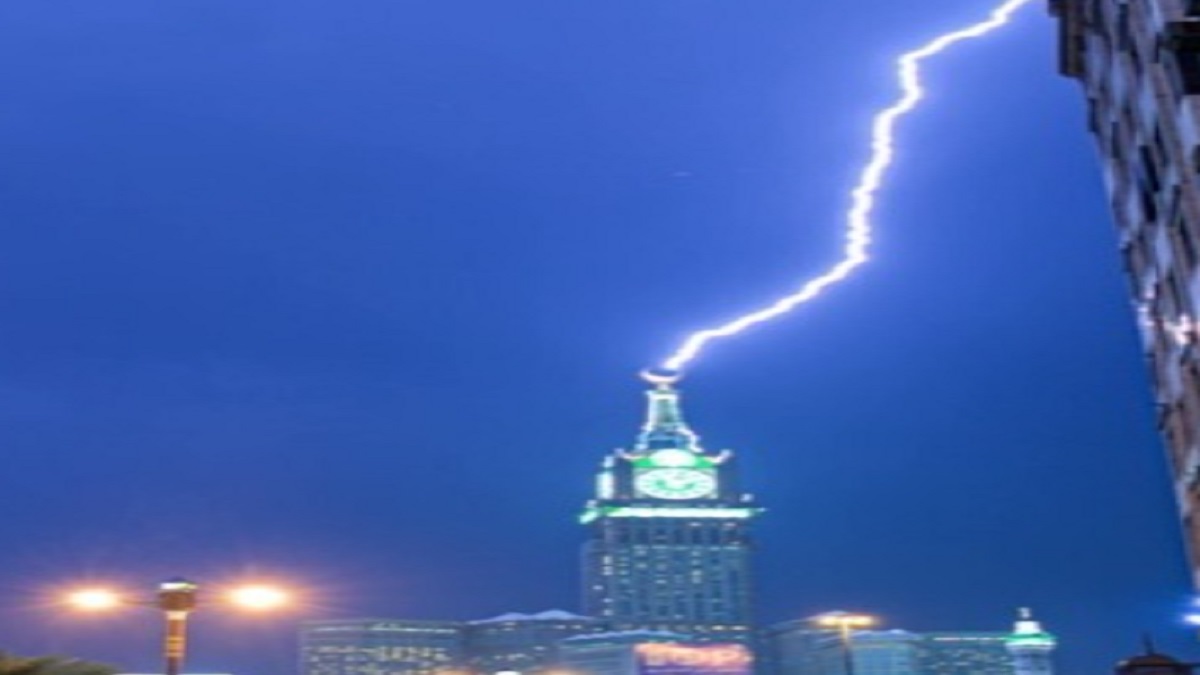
point(628, 636)
point(549, 615)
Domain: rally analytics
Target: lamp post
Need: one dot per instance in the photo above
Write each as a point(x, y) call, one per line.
point(845, 623)
point(177, 599)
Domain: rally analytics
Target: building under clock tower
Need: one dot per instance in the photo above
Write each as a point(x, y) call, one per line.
point(668, 533)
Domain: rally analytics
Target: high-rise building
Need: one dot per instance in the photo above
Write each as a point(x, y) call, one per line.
point(379, 647)
point(522, 643)
point(1031, 647)
point(1139, 64)
point(669, 543)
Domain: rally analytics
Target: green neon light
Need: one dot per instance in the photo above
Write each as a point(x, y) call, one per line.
point(597, 512)
point(674, 458)
point(1032, 640)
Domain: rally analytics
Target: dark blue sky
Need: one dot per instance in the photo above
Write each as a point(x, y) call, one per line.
point(354, 293)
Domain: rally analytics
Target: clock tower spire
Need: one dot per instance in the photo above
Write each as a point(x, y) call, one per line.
point(665, 427)
point(668, 533)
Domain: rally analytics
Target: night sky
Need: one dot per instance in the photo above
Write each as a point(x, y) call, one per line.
point(353, 295)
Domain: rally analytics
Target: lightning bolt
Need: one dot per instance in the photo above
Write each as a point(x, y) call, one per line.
point(859, 226)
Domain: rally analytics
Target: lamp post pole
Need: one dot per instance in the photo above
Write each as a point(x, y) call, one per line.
point(177, 599)
point(847, 648)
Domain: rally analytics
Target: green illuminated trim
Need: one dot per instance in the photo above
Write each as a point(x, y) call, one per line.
point(596, 512)
point(698, 461)
point(1031, 640)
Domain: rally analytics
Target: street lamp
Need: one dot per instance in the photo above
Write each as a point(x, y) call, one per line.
point(177, 599)
point(845, 623)
point(93, 599)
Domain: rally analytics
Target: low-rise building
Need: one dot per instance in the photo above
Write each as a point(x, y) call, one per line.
point(648, 652)
point(380, 647)
point(522, 643)
point(801, 648)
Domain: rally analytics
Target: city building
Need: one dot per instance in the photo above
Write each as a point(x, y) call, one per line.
point(1152, 662)
point(644, 652)
point(803, 647)
point(886, 652)
point(1031, 647)
point(611, 653)
point(522, 643)
point(380, 647)
point(798, 648)
point(1139, 66)
point(669, 545)
point(964, 654)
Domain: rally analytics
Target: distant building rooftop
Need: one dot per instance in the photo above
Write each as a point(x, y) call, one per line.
point(630, 636)
point(549, 615)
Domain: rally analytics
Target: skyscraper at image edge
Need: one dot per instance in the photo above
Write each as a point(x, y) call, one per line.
point(669, 545)
point(1139, 64)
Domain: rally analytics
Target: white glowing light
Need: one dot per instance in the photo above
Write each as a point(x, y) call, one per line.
point(94, 599)
point(258, 597)
point(859, 227)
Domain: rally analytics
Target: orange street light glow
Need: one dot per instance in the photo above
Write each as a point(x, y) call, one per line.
point(94, 599)
point(258, 598)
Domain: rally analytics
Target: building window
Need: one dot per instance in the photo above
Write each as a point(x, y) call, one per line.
point(1183, 41)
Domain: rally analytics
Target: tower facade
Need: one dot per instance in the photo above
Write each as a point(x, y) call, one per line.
point(1031, 647)
point(669, 545)
point(1139, 64)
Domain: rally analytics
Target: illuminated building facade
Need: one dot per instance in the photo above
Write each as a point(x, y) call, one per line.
point(965, 654)
point(380, 647)
point(523, 643)
point(1139, 64)
point(653, 653)
point(800, 648)
point(669, 544)
point(610, 653)
point(1032, 648)
point(797, 648)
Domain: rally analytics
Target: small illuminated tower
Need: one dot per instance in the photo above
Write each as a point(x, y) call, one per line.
point(1030, 646)
point(668, 543)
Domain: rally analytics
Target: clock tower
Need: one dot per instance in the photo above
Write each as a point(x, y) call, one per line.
point(668, 533)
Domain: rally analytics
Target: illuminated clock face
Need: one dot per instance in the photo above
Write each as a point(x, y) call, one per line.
point(676, 484)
